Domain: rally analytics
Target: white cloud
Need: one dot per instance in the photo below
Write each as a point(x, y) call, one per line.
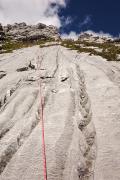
point(31, 11)
point(86, 21)
point(67, 21)
point(72, 35)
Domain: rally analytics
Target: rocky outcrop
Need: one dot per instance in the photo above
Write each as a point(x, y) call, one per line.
point(24, 32)
point(2, 33)
point(94, 37)
point(117, 40)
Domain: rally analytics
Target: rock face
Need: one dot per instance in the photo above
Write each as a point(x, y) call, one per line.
point(24, 32)
point(69, 130)
point(77, 98)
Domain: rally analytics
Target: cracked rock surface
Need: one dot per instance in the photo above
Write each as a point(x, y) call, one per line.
point(81, 99)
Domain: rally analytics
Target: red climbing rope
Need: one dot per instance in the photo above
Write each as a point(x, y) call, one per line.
point(43, 135)
point(42, 121)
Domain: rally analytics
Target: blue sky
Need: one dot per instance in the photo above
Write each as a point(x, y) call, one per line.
point(68, 15)
point(96, 15)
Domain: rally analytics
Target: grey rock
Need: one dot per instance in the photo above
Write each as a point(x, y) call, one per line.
point(22, 31)
point(40, 26)
point(91, 37)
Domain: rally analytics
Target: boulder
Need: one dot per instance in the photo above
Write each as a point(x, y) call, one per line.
point(40, 26)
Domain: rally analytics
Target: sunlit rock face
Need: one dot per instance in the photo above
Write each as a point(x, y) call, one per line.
point(75, 94)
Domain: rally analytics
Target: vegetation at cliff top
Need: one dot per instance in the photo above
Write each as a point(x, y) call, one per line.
point(108, 50)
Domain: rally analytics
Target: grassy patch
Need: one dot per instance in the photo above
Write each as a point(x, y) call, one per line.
point(9, 45)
